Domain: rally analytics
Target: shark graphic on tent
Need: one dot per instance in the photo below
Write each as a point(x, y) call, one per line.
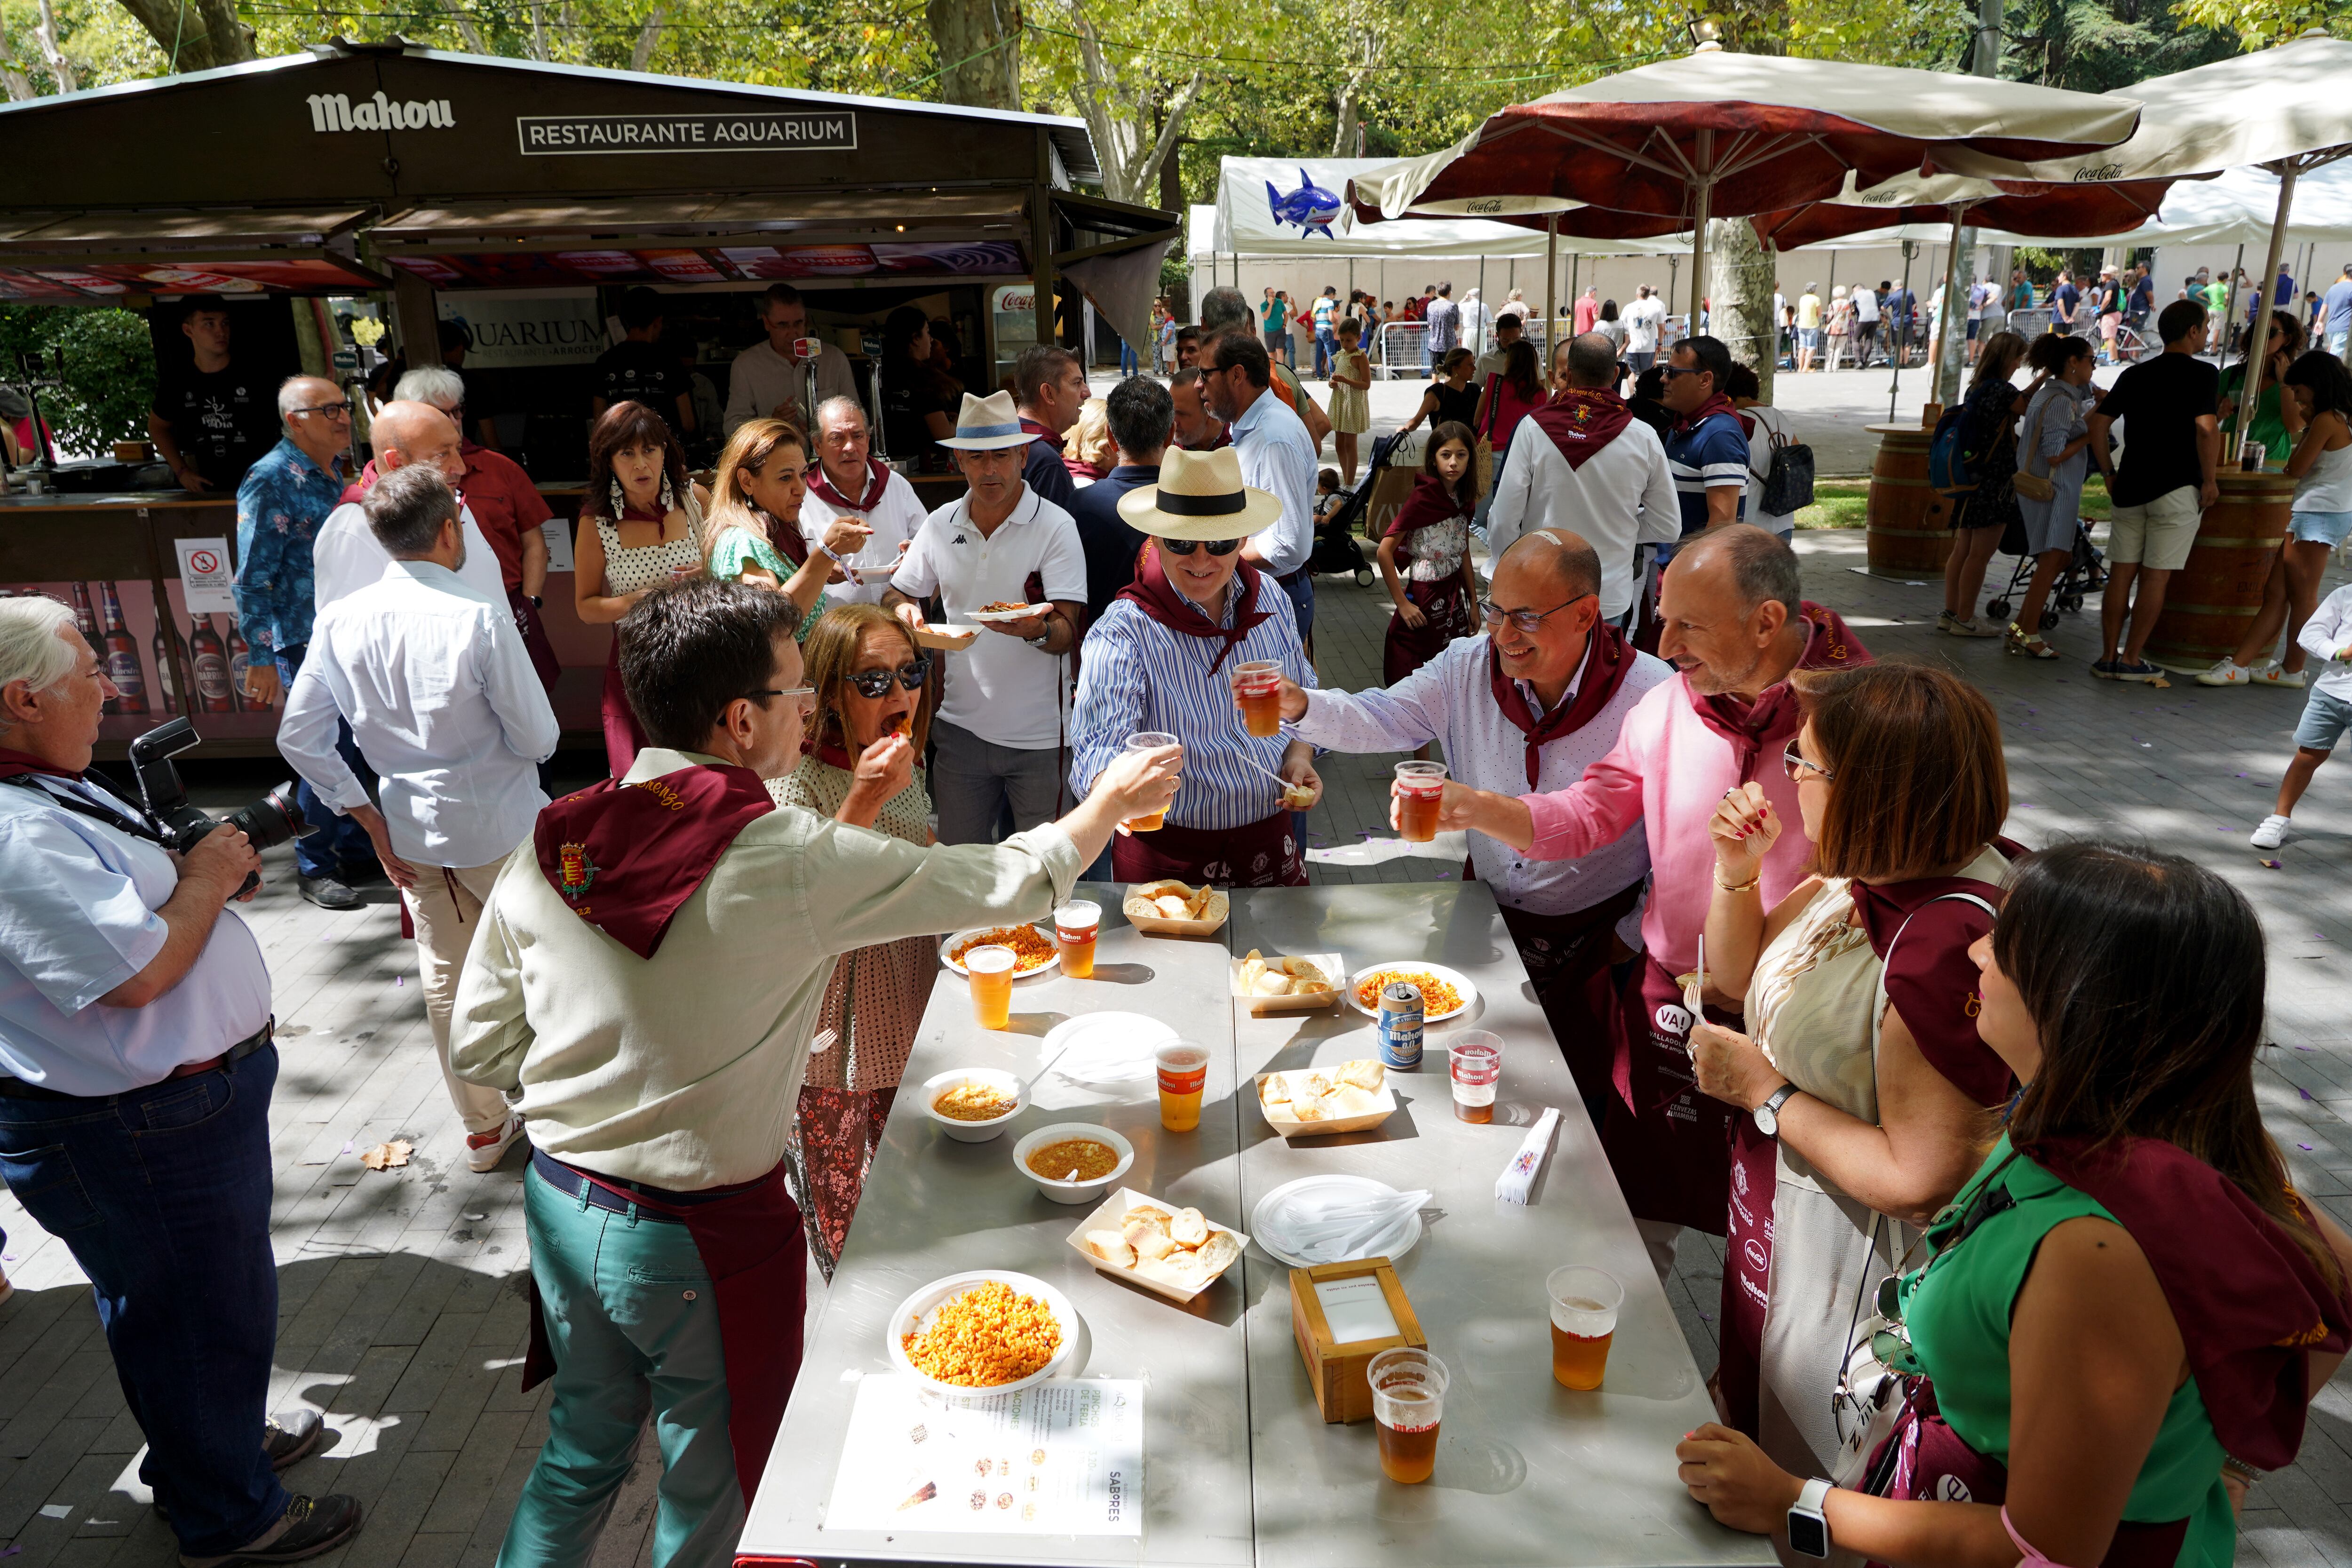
point(1311, 208)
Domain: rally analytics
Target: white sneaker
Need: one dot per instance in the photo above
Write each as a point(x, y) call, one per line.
point(492, 1147)
point(2271, 834)
point(2225, 672)
point(2270, 672)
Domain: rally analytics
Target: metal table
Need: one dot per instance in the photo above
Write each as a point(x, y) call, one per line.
point(1239, 1468)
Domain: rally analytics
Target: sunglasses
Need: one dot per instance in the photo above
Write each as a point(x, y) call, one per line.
point(877, 683)
point(1793, 762)
point(761, 696)
point(1213, 546)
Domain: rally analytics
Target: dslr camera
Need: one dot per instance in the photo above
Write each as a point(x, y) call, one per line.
point(272, 820)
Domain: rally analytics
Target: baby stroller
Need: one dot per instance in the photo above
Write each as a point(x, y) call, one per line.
point(2085, 570)
point(1336, 549)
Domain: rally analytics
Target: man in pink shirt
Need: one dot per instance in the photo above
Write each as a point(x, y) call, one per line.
point(1588, 311)
point(1733, 622)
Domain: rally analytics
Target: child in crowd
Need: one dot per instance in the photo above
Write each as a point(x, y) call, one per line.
point(2326, 713)
point(1351, 383)
point(1426, 554)
point(1327, 495)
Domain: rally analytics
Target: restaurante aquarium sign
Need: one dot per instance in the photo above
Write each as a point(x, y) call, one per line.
point(738, 131)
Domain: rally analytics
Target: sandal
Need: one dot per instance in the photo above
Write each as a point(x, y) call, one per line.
point(2015, 641)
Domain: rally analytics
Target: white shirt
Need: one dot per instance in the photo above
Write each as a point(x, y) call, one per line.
point(1866, 305)
point(2325, 635)
point(345, 558)
point(1277, 456)
point(432, 678)
point(761, 378)
point(1000, 689)
point(1642, 320)
point(896, 516)
point(78, 903)
point(1623, 497)
point(1451, 699)
point(1759, 465)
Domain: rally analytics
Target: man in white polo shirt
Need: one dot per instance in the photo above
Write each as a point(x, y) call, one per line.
point(1000, 729)
point(848, 483)
point(346, 556)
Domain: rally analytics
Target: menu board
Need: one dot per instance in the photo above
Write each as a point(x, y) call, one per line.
point(1060, 1457)
point(120, 621)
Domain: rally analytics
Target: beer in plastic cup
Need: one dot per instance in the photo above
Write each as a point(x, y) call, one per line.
point(991, 972)
point(1183, 1069)
point(1147, 740)
point(1584, 1303)
point(1075, 925)
point(1476, 1067)
point(1257, 685)
point(1419, 787)
point(1407, 1400)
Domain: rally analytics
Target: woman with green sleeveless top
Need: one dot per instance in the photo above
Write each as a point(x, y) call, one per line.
point(2124, 1312)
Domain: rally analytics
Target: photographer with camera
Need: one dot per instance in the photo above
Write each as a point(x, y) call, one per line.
point(136, 1045)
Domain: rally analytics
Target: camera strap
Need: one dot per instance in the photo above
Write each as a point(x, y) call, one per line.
point(130, 819)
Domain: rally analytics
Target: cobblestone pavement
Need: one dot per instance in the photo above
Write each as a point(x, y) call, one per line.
point(400, 1315)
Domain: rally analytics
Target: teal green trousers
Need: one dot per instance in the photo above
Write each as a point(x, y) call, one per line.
point(633, 1323)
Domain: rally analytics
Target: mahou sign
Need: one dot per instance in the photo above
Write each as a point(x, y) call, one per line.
point(336, 111)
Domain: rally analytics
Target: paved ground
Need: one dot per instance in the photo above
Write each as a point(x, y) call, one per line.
point(399, 1312)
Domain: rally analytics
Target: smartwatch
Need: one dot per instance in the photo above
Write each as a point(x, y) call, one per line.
point(1808, 1531)
point(1768, 1115)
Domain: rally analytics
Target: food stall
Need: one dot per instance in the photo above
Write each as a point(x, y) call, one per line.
point(1181, 1423)
point(519, 198)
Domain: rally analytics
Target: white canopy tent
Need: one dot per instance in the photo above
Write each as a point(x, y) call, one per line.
point(1261, 201)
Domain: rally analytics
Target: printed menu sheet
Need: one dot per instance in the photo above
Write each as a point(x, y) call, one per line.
point(1060, 1457)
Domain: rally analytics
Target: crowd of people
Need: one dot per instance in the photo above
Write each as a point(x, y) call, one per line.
point(1812, 999)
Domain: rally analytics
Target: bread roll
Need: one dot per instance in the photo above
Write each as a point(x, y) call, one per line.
point(1306, 1109)
point(1166, 1273)
point(1217, 1253)
point(1147, 1213)
point(1269, 984)
point(1365, 1075)
point(1149, 1241)
point(1274, 1090)
point(1189, 1229)
point(1111, 1247)
point(1252, 971)
point(1169, 905)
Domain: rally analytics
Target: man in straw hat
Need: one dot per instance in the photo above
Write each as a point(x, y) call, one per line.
point(1164, 659)
point(998, 730)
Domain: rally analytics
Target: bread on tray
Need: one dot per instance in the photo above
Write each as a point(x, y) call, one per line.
point(1324, 1094)
point(1261, 977)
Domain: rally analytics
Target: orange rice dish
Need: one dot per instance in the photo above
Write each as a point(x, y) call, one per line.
point(1436, 996)
point(973, 1102)
point(984, 1337)
point(1030, 948)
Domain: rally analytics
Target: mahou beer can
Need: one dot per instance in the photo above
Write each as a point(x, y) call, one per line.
point(1400, 1026)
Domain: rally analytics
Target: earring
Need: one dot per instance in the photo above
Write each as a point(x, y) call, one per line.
point(667, 499)
point(620, 501)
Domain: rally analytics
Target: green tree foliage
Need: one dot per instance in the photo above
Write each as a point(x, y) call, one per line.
point(109, 370)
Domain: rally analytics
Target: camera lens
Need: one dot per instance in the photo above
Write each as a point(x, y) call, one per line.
point(272, 820)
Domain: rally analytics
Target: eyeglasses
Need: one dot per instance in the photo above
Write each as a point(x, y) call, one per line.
point(1213, 546)
point(877, 683)
point(1527, 621)
point(1671, 371)
point(803, 693)
point(331, 410)
point(1792, 763)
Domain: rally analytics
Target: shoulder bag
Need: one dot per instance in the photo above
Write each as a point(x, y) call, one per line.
point(2025, 481)
point(1789, 484)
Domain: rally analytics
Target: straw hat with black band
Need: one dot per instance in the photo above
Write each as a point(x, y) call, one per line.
point(1200, 497)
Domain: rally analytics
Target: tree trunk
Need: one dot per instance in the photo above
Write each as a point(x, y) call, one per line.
point(194, 35)
point(1739, 292)
point(52, 52)
point(979, 46)
point(649, 39)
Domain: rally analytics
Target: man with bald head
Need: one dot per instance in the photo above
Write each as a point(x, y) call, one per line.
point(348, 556)
point(1599, 470)
point(848, 483)
point(1528, 704)
point(1733, 621)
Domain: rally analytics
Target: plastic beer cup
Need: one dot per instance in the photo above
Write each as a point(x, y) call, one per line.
point(1419, 787)
point(1183, 1069)
point(1475, 1066)
point(1147, 740)
point(1257, 685)
point(1584, 1303)
point(1408, 1401)
point(1075, 926)
point(991, 970)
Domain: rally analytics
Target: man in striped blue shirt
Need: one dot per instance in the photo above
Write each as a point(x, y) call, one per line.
point(1163, 658)
point(1706, 450)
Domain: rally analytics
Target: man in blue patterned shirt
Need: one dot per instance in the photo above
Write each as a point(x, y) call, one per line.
point(283, 500)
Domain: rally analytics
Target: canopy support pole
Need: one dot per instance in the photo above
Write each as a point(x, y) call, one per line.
point(1941, 349)
point(1903, 332)
point(2258, 338)
point(1551, 280)
point(1704, 208)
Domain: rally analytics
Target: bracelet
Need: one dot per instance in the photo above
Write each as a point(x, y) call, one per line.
point(1747, 886)
point(2233, 1465)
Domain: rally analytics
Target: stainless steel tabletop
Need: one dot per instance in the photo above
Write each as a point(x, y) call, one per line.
point(1239, 1467)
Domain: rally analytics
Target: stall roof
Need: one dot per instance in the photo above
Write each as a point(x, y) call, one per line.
point(462, 222)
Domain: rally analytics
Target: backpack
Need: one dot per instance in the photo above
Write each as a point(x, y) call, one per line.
point(1789, 486)
point(1947, 466)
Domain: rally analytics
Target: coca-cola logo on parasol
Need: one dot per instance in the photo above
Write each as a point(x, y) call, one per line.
point(332, 111)
point(2098, 172)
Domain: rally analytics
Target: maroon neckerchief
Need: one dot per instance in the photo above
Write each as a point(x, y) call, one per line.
point(790, 541)
point(16, 764)
point(1155, 596)
point(1581, 420)
point(878, 479)
point(1607, 658)
point(1773, 717)
point(1082, 469)
point(624, 856)
point(1224, 438)
point(1716, 403)
point(1042, 434)
point(359, 486)
point(1933, 986)
point(1432, 502)
point(2250, 1305)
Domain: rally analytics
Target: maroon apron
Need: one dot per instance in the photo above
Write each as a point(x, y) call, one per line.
point(1264, 854)
point(1446, 608)
point(1669, 1144)
point(623, 738)
point(543, 662)
point(1566, 961)
point(750, 1242)
point(1747, 1273)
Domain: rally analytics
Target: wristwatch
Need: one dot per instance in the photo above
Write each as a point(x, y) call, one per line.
point(536, 603)
point(1768, 1115)
point(1040, 641)
point(1808, 1531)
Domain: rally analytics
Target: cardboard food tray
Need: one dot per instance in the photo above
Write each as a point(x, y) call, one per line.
point(946, 638)
point(1332, 965)
point(1290, 1129)
point(1107, 1218)
point(1220, 907)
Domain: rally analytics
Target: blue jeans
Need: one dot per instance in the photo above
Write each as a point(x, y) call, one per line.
point(1126, 358)
point(340, 844)
point(1302, 599)
point(163, 1196)
point(1327, 343)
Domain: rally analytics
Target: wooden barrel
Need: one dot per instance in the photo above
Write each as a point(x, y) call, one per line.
point(1909, 524)
point(2210, 603)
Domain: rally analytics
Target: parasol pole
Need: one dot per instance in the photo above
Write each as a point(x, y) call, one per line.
point(1903, 337)
point(2258, 338)
point(1551, 284)
point(1705, 205)
point(1944, 318)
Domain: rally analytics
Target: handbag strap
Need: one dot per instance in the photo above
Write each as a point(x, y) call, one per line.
point(1878, 1014)
point(2033, 437)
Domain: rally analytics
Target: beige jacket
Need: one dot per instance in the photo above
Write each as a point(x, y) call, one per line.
point(683, 1070)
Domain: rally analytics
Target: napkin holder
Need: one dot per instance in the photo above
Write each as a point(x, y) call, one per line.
point(1337, 1368)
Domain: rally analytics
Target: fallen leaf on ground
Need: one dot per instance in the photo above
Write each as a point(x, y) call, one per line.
point(388, 1156)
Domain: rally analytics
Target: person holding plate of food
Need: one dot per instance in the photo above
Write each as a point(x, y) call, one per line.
point(1164, 659)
